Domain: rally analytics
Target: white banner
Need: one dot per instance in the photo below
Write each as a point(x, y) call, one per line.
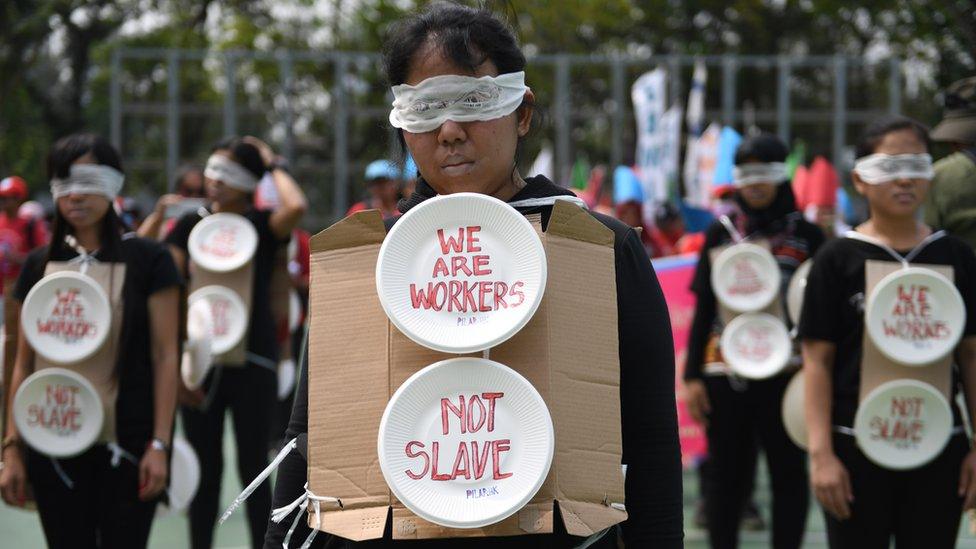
point(649, 97)
point(700, 166)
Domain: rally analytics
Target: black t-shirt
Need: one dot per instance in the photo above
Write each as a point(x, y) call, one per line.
point(149, 268)
point(795, 243)
point(262, 345)
point(833, 306)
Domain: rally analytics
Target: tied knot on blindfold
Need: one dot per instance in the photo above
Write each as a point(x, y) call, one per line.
point(426, 106)
point(881, 168)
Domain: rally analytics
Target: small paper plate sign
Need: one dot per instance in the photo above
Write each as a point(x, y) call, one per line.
point(184, 478)
point(915, 316)
point(66, 317)
point(223, 242)
point(229, 316)
point(756, 345)
point(465, 442)
point(795, 290)
point(58, 412)
point(903, 424)
point(745, 277)
point(461, 273)
point(792, 410)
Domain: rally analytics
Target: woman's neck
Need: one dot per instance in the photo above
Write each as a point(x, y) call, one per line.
point(510, 188)
point(88, 238)
point(901, 233)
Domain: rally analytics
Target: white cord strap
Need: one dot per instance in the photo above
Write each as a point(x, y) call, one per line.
point(730, 227)
point(259, 479)
point(301, 503)
point(904, 260)
point(84, 259)
point(118, 453)
point(547, 201)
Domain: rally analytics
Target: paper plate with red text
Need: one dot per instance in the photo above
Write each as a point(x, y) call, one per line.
point(792, 410)
point(461, 273)
point(222, 242)
point(756, 345)
point(915, 316)
point(903, 424)
point(66, 317)
point(228, 313)
point(465, 442)
point(745, 277)
point(58, 412)
point(795, 290)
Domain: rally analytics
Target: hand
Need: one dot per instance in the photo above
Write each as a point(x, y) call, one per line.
point(832, 485)
point(191, 398)
point(967, 480)
point(267, 155)
point(152, 474)
point(166, 201)
point(13, 478)
point(696, 398)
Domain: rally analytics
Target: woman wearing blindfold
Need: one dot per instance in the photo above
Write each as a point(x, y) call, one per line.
point(105, 496)
point(462, 109)
point(736, 411)
point(868, 503)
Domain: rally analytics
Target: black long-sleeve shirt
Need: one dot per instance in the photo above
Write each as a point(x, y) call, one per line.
point(649, 421)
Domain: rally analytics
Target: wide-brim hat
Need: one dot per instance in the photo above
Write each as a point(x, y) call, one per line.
point(958, 125)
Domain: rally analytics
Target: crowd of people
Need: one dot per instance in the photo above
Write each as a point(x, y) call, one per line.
point(112, 489)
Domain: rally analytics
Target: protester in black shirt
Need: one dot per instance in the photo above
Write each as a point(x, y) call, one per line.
point(91, 500)
point(737, 412)
point(248, 390)
point(866, 504)
point(480, 156)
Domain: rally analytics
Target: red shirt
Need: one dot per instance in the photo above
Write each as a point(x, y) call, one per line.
point(18, 237)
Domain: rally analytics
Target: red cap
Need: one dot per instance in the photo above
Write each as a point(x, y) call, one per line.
point(13, 186)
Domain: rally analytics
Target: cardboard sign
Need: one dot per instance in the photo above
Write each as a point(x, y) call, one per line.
point(756, 345)
point(745, 278)
point(915, 316)
point(903, 424)
point(66, 317)
point(58, 412)
point(461, 273)
point(465, 442)
point(222, 242)
point(357, 359)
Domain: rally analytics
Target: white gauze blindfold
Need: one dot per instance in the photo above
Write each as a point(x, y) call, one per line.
point(879, 168)
point(89, 179)
point(766, 172)
point(424, 107)
point(230, 173)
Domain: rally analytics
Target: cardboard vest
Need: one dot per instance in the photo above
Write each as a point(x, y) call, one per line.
point(241, 282)
point(99, 368)
point(358, 359)
point(892, 425)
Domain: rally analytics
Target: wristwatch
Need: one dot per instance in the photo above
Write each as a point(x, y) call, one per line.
point(158, 444)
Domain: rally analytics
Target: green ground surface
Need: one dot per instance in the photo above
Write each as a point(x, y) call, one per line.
point(20, 529)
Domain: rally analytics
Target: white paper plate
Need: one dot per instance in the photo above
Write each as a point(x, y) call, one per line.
point(196, 362)
point(903, 424)
point(756, 345)
point(745, 277)
point(184, 478)
point(794, 292)
point(66, 317)
point(294, 311)
point(229, 314)
point(286, 378)
point(450, 319)
point(58, 412)
point(915, 316)
point(414, 416)
point(792, 411)
point(223, 242)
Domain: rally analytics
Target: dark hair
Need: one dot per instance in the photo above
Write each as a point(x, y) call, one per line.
point(467, 36)
point(183, 173)
point(63, 154)
point(243, 153)
point(764, 147)
point(876, 130)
